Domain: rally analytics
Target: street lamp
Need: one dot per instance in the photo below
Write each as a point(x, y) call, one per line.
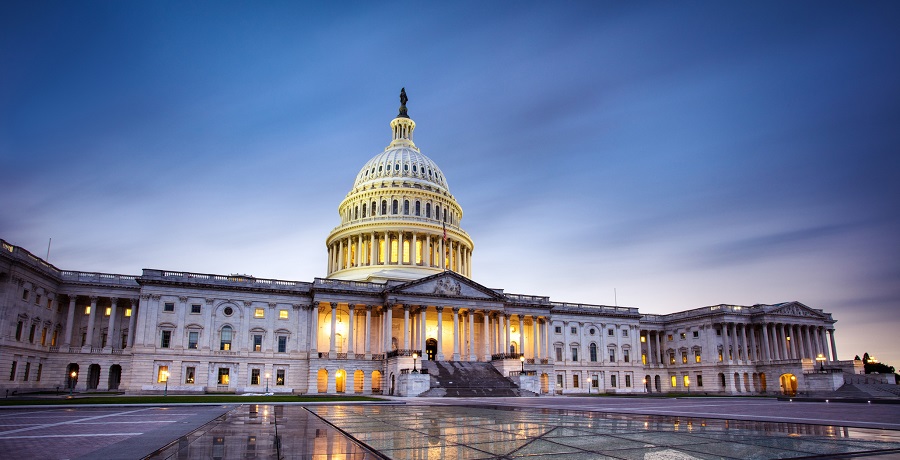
point(267, 381)
point(522, 359)
point(415, 356)
point(71, 388)
point(821, 360)
point(166, 376)
point(645, 384)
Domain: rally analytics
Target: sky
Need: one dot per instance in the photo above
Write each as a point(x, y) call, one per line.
point(664, 156)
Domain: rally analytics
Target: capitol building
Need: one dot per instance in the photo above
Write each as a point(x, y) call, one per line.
point(397, 312)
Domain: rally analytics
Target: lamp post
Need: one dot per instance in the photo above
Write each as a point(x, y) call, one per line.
point(268, 375)
point(72, 387)
point(522, 359)
point(415, 356)
point(166, 376)
point(687, 383)
point(821, 360)
point(645, 384)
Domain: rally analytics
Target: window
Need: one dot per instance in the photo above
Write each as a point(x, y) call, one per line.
point(40, 368)
point(674, 382)
point(108, 311)
point(162, 374)
point(593, 352)
point(591, 331)
point(611, 332)
point(224, 377)
point(195, 308)
point(27, 371)
point(165, 339)
point(228, 311)
point(257, 342)
point(19, 327)
point(103, 341)
point(418, 205)
point(683, 357)
point(627, 381)
point(686, 381)
point(53, 338)
point(670, 338)
point(612, 355)
point(718, 332)
point(37, 300)
point(683, 336)
point(193, 339)
point(573, 330)
point(12, 370)
point(643, 358)
point(557, 329)
point(559, 381)
point(282, 314)
point(127, 312)
point(428, 210)
point(720, 355)
point(225, 338)
point(189, 375)
point(595, 381)
point(394, 207)
point(43, 336)
point(169, 306)
point(697, 356)
point(626, 355)
point(87, 310)
point(259, 313)
point(282, 344)
point(279, 377)
point(643, 339)
point(624, 332)
point(31, 333)
point(124, 339)
point(405, 207)
point(699, 380)
point(697, 336)
point(559, 354)
point(254, 376)
point(612, 381)
point(25, 295)
point(672, 358)
point(574, 353)
point(383, 207)
point(575, 381)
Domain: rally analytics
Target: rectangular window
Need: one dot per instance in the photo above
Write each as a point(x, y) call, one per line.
point(19, 326)
point(612, 355)
point(37, 300)
point(282, 314)
point(593, 353)
point(574, 353)
point(671, 358)
point(40, 368)
point(169, 306)
point(12, 371)
point(643, 339)
point(259, 313)
point(610, 332)
point(686, 381)
point(254, 376)
point(559, 354)
point(670, 337)
point(108, 311)
point(683, 336)
point(559, 380)
point(224, 377)
point(612, 381)
point(124, 340)
point(25, 294)
point(595, 381)
point(573, 330)
point(282, 344)
point(195, 308)
point(643, 358)
point(674, 382)
point(53, 338)
point(189, 373)
point(683, 357)
point(626, 356)
point(627, 381)
point(31, 333)
point(165, 339)
point(225, 342)
point(697, 356)
point(127, 312)
point(696, 334)
point(87, 310)
point(720, 356)
point(575, 381)
point(162, 374)
point(43, 336)
point(557, 329)
point(103, 341)
point(257, 343)
point(27, 371)
point(193, 340)
point(699, 380)
point(624, 332)
point(279, 377)
point(83, 338)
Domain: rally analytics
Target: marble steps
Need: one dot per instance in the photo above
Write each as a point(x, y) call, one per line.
point(468, 379)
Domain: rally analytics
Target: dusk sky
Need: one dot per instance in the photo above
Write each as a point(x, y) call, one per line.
point(679, 154)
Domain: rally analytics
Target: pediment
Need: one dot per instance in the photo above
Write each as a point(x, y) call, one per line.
point(796, 309)
point(447, 284)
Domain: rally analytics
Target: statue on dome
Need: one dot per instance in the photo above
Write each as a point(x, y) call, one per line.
point(403, 100)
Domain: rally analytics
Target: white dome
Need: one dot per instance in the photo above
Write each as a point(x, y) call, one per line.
point(401, 163)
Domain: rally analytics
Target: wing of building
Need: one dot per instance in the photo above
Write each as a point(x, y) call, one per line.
point(397, 313)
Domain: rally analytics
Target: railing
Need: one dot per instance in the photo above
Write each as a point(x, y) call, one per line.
point(528, 298)
point(225, 353)
point(518, 373)
point(228, 280)
point(74, 349)
point(342, 356)
point(96, 350)
point(117, 351)
point(413, 371)
point(396, 353)
point(359, 356)
point(222, 388)
point(378, 357)
point(348, 285)
point(500, 356)
point(54, 349)
point(401, 217)
point(376, 391)
point(594, 308)
point(99, 278)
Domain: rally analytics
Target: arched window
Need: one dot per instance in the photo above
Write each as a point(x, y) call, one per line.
point(394, 207)
point(418, 208)
point(356, 212)
point(428, 210)
point(364, 210)
point(383, 207)
point(225, 338)
point(437, 212)
point(405, 207)
point(373, 208)
point(593, 352)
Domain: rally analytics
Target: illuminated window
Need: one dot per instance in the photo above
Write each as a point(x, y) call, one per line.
point(643, 358)
point(683, 357)
point(257, 343)
point(189, 373)
point(674, 382)
point(87, 310)
point(720, 355)
point(671, 358)
point(687, 381)
point(643, 339)
point(108, 311)
point(224, 377)
point(279, 377)
point(259, 313)
point(127, 312)
point(162, 375)
point(670, 337)
point(282, 314)
point(394, 251)
point(697, 356)
point(683, 336)
point(225, 339)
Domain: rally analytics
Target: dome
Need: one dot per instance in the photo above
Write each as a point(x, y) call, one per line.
point(399, 221)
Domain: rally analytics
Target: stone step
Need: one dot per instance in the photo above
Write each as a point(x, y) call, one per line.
point(469, 379)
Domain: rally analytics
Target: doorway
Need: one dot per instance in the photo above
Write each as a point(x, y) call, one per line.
point(115, 376)
point(431, 349)
point(788, 384)
point(93, 377)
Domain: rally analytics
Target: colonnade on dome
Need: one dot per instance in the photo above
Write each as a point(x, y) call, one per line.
point(415, 249)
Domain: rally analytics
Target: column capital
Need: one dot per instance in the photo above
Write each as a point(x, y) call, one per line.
point(439, 308)
point(94, 299)
point(333, 304)
point(369, 307)
point(133, 301)
point(406, 307)
point(455, 310)
point(183, 299)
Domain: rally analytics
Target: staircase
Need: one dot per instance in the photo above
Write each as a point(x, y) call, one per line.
point(469, 380)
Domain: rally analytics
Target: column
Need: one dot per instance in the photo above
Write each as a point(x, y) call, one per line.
point(746, 343)
point(314, 329)
point(132, 322)
point(443, 259)
point(535, 340)
point(521, 334)
point(368, 338)
point(487, 336)
point(458, 263)
point(400, 251)
point(414, 252)
point(471, 314)
point(92, 318)
point(767, 356)
point(455, 333)
point(423, 316)
point(547, 323)
point(810, 344)
point(726, 345)
point(506, 328)
point(406, 327)
point(351, 344)
point(70, 321)
point(440, 334)
point(111, 330)
point(332, 349)
point(823, 343)
point(834, 356)
point(388, 327)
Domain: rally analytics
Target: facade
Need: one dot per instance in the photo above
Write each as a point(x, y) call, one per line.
point(398, 284)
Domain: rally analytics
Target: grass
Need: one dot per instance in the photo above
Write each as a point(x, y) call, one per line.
point(180, 399)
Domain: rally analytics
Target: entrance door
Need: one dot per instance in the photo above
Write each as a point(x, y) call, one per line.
point(788, 384)
point(115, 376)
point(93, 376)
point(431, 348)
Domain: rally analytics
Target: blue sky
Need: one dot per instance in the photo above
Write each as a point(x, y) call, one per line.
point(682, 154)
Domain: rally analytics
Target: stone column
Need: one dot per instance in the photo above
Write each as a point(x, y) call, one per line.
point(746, 343)
point(132, 321)
point(443, 256)
point(368, 338)
point(487, 336)
point(423, 317)
point(458, 263)
point(726, 345)
point(400, 251)
point(823, 342)
point(111, 330)
point(810, 344)
point(332, 349)
point(314, 329)
point(414, 252)
point(340, 258)
point(406, 327)
point(767, 356)
point(834, 355)
point(92, 318)
point(455, 333)
point(70, 321)
point(440, 333)
point(521, 334)
point(534, 339)
point(471, 315)
point(351, 309)
point(548, 323)
point(388, 328)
